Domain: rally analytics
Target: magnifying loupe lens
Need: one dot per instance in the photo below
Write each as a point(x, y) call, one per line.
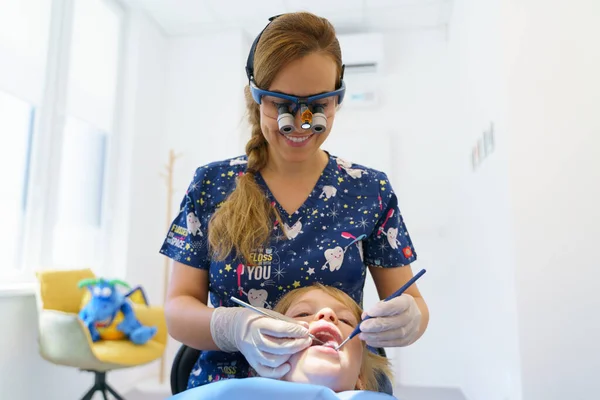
point(286, 123)
point(319, 123)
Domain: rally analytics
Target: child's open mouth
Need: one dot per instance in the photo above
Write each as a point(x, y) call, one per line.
point(326, 333)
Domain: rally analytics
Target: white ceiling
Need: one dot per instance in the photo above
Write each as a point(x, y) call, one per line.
point(185, 17)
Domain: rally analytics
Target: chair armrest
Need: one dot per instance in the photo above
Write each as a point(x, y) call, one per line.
point(153, 316)
point(63, 339)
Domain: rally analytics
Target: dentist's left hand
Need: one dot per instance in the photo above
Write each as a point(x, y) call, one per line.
point(266, 343)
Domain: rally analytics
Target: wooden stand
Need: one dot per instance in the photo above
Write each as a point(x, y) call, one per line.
point(168, 176)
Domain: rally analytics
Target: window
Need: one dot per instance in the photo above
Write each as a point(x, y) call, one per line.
point(93, 63)
point(59, 74)
point(78, 233)
point(16, 128)
point(23, 53)
point(24, 26)
point(90, 103)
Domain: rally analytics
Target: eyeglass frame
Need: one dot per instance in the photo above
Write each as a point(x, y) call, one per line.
point(258, 93)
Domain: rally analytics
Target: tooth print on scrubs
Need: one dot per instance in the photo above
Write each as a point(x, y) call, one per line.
point(349, 221)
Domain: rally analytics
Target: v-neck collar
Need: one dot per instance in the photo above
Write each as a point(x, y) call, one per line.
point(325, 176)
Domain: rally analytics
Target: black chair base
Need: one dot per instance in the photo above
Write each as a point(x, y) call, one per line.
point(101, 386)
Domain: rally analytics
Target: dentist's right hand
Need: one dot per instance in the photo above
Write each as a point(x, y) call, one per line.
point(266, 343)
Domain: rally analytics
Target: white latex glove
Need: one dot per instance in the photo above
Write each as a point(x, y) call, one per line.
point(266, 343)
point(394, 323)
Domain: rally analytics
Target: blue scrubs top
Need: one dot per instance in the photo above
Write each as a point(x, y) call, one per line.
point(349, 221)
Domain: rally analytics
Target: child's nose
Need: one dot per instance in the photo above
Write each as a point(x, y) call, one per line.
point(327, 314)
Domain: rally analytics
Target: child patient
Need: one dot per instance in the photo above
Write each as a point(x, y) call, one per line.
point(350, 373)
point(331, 315)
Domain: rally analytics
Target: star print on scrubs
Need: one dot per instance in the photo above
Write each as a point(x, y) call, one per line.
point(349, 221)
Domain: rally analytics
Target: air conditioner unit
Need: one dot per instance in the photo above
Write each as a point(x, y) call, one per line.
point(363, 56)
point(362, 52)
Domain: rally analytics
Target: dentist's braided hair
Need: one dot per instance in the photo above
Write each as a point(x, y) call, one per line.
point(245, 220)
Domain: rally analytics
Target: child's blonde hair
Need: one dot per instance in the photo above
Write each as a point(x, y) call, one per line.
point(372, 364)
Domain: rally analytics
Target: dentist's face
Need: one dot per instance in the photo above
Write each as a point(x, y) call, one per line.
point(313, 74)
point(331, 321)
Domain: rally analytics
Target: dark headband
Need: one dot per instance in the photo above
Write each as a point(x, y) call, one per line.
point(250, 61)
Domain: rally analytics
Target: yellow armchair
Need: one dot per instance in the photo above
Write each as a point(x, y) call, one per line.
point(65, 340)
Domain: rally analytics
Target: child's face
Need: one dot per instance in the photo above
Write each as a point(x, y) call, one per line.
point(330, 321)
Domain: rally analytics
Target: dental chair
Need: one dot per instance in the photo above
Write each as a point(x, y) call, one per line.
point(186, 357)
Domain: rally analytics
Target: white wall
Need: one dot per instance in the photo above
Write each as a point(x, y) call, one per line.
point(531, 210)
point(203, 111)
point(184, 94)
point(204, 108)
point(406, 136)
point(144, 190)
point(139, 221)
point(440, 90)
point(552, 61)
point(485, 269)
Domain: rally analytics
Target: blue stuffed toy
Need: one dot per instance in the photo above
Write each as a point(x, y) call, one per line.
point(108, 314)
